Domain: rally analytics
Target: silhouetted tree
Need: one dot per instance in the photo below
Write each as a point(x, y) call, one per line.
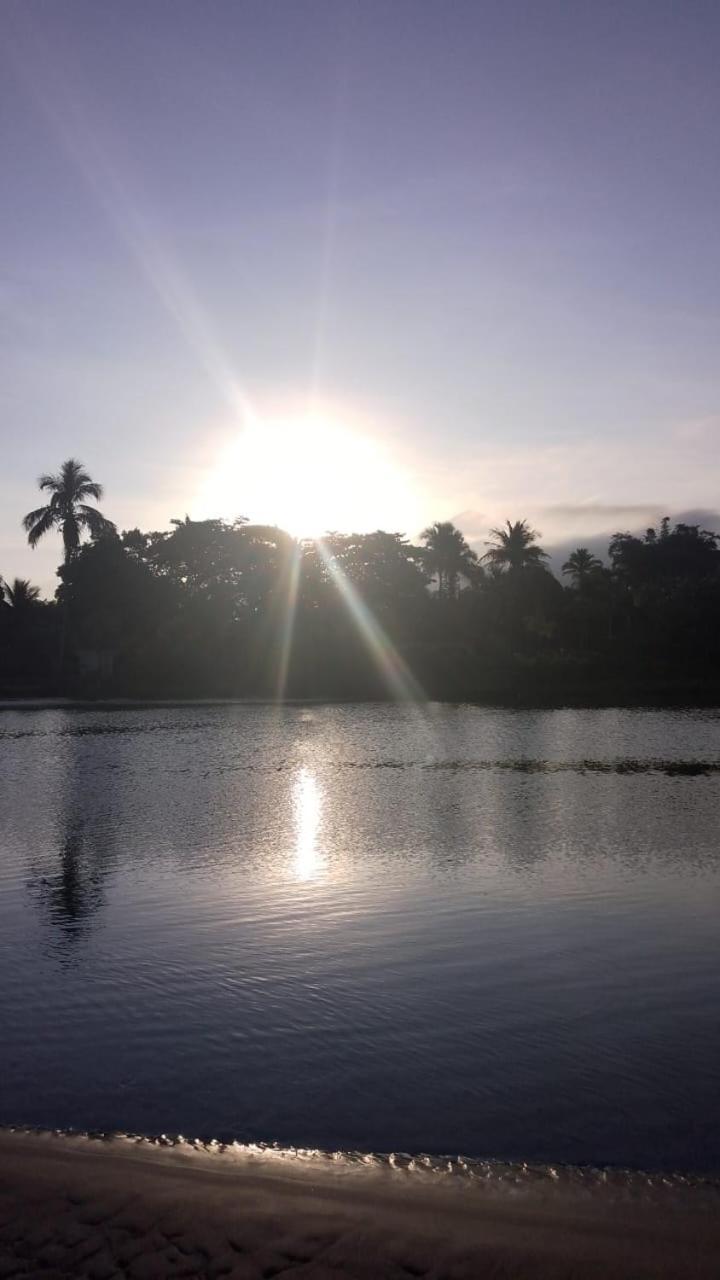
point(449, 557)
point(20, 594)
point(684, 551)
point(514, 547)
point(580, 566)
point(28, 638)
point(67, 510)
point(115, 606)
point(202, 555)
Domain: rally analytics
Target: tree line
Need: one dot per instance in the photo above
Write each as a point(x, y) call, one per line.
point(218, 608)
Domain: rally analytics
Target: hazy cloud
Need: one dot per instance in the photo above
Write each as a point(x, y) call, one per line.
point(580, 512)
point(565, 526)
point(597, 543)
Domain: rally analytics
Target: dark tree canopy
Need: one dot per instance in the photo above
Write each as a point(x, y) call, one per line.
point(229, 608)
point(685, 551)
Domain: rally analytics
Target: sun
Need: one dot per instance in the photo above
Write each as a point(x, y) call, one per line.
point(310, 475)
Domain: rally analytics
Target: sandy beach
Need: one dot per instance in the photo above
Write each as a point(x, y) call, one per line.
point(72, 1206)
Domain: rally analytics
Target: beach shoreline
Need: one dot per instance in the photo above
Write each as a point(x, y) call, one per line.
point(74, 1205)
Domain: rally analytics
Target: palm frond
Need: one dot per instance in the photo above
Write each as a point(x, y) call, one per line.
point(76, 481)
point(94, 521)
point(73, 470)
point(38, 523)
point(32, 517)
point(500, 535)
point(89, 489)
point(22, 593)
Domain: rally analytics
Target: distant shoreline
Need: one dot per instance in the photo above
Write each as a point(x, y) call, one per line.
point(668, 698)
point(89, 1207)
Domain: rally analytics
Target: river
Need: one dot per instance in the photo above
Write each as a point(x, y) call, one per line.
point(368, 927)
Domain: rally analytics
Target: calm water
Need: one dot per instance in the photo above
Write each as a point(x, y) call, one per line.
point(466, 930)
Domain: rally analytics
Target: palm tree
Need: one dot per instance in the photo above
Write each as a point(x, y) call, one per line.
point(21, 596)
point(580, 566)
point(513, 547)
point(449, 556)
point(66, 509)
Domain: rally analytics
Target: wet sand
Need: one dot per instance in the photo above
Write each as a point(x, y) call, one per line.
point(83, 1207)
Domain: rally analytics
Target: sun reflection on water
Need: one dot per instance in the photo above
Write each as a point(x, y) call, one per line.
point(307, 803)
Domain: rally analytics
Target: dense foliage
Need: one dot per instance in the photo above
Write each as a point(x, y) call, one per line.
point(213, 609)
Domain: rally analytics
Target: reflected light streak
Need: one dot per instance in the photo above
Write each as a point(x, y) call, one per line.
point(307, 802)
point(400, 681)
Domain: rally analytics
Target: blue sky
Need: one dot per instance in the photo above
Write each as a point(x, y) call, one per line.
point(374, 263)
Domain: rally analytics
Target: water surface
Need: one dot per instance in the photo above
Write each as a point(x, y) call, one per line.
point(457, 930)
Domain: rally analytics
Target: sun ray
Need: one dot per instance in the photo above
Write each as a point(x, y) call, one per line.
point(290, 595)
point(328, 244)
point(400, 681)
point(76, 127)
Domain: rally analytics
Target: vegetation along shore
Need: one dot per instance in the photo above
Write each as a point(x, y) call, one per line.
point(230, 609)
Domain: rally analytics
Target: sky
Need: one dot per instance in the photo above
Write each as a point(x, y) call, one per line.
point(341, 265)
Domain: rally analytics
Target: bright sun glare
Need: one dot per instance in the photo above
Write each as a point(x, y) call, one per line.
point(310, 475)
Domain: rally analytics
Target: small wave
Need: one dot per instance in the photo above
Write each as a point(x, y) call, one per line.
point(672, 768)
point(680, 768)
point(471, 1173)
